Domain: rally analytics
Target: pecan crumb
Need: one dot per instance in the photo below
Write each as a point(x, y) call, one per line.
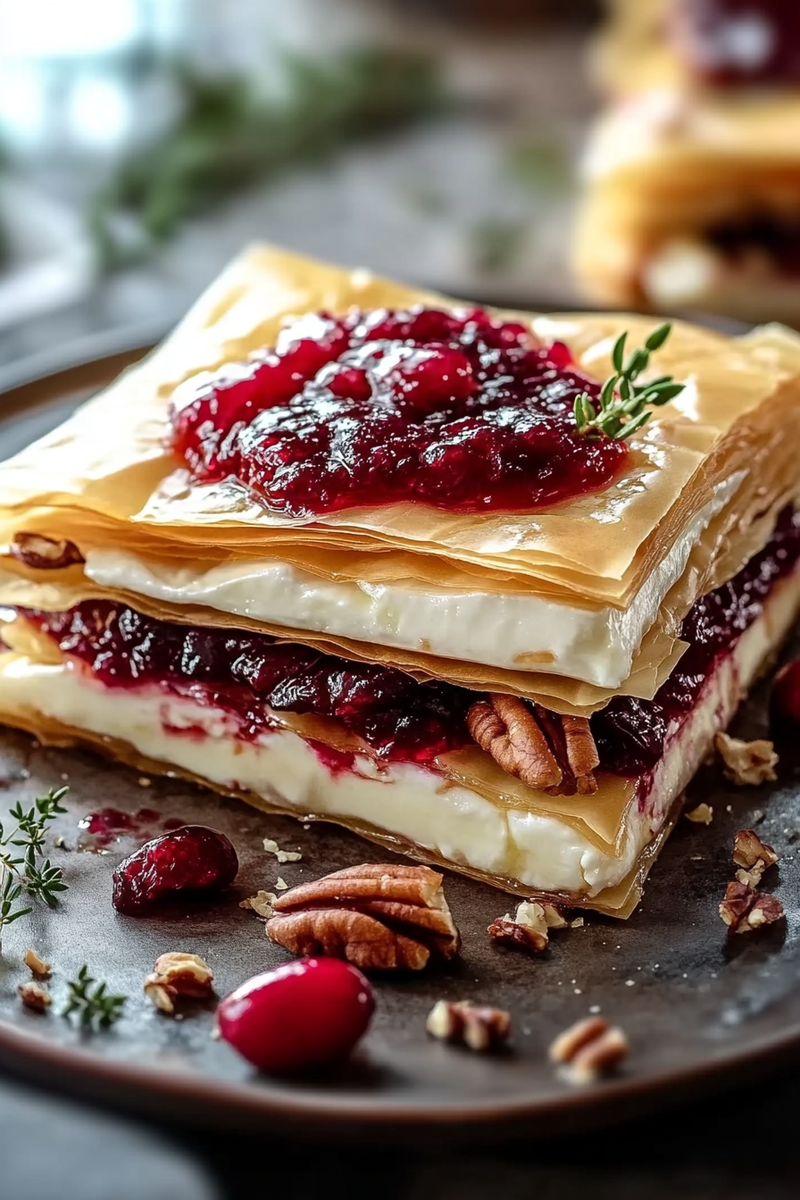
point(703, 814)
point(36, 965)
point(744, 909)
point(176, 975)
point(261, 904)
point(577, 923)
point(377, 916)
point(34, 995)
point(481, 1028)
point(746, 763)
point(529, 928)
point(281, 885)
point(588, 1049)
point(751, 856)
point(283, 856)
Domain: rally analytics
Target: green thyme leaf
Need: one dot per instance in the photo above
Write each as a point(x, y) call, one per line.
point(93, 1004)
point(29, 872)
point(624, 405)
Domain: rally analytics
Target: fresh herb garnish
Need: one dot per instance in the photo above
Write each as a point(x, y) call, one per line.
point(229, 137)
point(92, 1004)
point(623, 403)
point(28, 872)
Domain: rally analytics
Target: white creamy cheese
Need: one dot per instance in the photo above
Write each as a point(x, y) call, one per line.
point(513, 631)
point(406, 800)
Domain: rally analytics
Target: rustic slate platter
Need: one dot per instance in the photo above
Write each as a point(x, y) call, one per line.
point(699, 1007)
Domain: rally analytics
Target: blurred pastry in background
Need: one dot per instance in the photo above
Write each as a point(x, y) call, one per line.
point(693, 173)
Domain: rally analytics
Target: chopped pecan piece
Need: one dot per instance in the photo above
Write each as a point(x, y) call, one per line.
point(746, 763)
point(751, 856)
point(556, 754)
point(703, 814)
point(588, 1049)
point(529, 928)
point(44, 554)
point(262, 904)
point(283, 856)
point(34, 995)
point(744, 910)
point(479, 1027)
point(379, 916)
point(36, 965)
point(175, 975)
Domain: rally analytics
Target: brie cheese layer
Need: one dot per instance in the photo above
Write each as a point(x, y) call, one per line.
point(512, 631)
point(406, 800)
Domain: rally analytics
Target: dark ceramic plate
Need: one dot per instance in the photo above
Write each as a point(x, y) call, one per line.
point(699, 1007)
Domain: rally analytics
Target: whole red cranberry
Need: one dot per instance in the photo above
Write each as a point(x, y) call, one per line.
point(192, 860)
point(305, 1014)
point(785, 698)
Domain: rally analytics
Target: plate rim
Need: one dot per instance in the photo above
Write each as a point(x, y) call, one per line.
point(45, 379)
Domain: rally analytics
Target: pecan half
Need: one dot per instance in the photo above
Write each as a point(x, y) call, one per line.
point(379, 916)
point(746, 763)
point(751, 856)
point(529, 928)
point(480, 1028)
point(744, 910)
point(555, 754)
point(44, 554)
point(175, 975)
point(589, 1049)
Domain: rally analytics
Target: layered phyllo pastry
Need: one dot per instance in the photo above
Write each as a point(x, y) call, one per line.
point(693, 172)
point(480, 586)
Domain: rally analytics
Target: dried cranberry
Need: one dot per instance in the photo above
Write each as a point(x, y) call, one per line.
point(305, 1014)
point(192, 860)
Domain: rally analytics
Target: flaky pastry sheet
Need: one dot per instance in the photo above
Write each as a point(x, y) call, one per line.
point(106, 472)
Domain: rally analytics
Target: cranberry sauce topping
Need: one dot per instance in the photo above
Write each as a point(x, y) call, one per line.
point(631, 733)
point(773, 238)
point(399, 718)
point(459, 410)
point(740, 41)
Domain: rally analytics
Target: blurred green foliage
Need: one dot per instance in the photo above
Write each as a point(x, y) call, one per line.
point(229, 137)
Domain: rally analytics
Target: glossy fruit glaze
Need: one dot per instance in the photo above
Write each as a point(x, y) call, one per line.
point(740, 41)
point(303, 1015)
point(459, 410)
point(239, 672)
point(631, 733)
point(773, 238)
point(400, 719)
point(192, 860)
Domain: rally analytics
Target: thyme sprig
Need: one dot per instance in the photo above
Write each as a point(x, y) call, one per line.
point(624, 404)
point(23, 869)
point(93, 1004)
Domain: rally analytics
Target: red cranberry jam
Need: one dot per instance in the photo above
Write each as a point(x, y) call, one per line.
point(241, 673)
point(631, 733)
point(459, 410)
point(399, 718)
point(741, 41)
